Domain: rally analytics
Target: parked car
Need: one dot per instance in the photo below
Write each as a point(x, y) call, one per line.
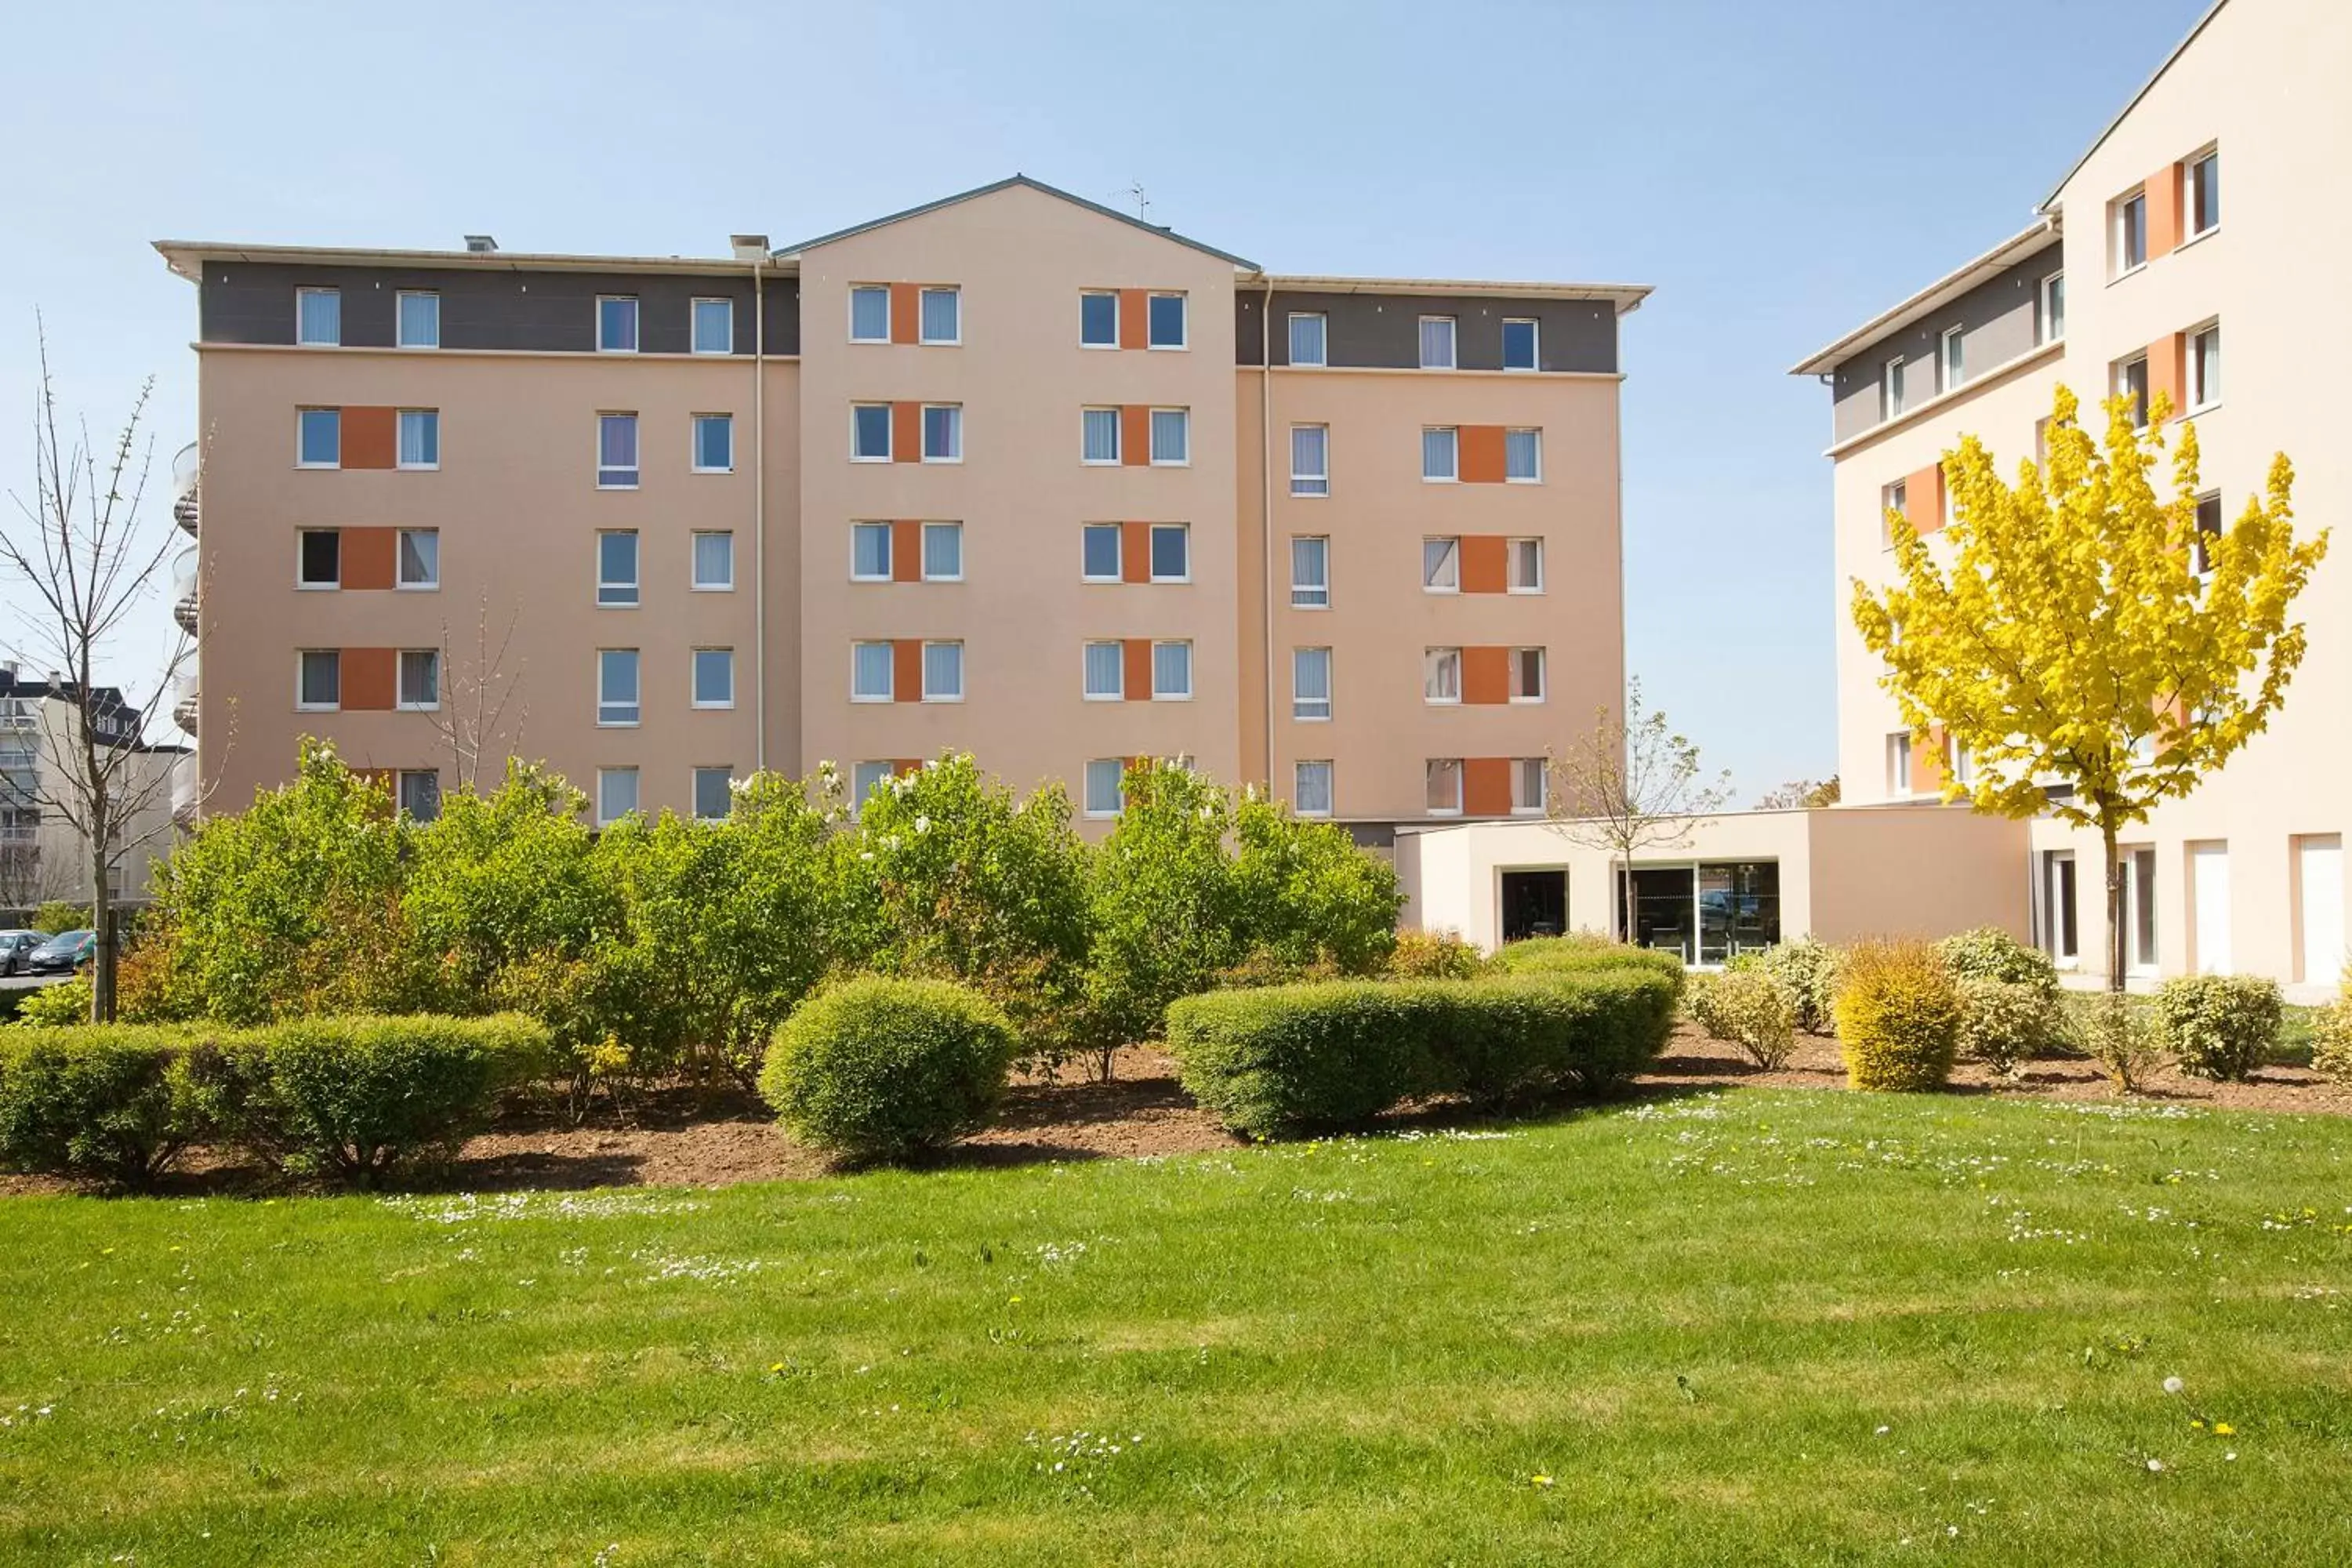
point(15, 947)
point(62, 953)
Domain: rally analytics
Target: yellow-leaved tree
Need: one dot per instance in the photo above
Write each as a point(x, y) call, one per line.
point(2085, 632)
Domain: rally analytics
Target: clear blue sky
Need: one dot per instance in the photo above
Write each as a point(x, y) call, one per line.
point(1780, 172)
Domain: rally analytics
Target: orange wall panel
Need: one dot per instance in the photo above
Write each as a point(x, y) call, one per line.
point(906, 432)
point(1134, 319)
point(907, 670)
point(369, 556)
point(1923, 499)
point(1486, 563)
point(370, 678)
point(1485, 786)
point(1927, 762)
point(1485, 675)
point(2167, 373)
point(1135, 553)
point(1135, 434)
point(905, 551)
point(905, 312)
point(371, 438)
point(1137, 673)
point(1479, 460)
point(2164, 227)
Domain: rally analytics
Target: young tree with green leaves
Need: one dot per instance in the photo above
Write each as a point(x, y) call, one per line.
point(2086, 631)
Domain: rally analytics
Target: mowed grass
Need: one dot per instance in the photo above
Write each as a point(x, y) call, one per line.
point(1745, 1327)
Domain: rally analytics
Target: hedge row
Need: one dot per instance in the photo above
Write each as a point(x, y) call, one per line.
point(349, 1097)
point(1300, 1057)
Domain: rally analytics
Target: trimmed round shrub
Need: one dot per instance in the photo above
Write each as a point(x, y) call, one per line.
point(2005, 1022)
point(2217, 1026)
point(1898, 1016)
point(1806, 972)
point(1747, 1008)
point(2331, 1040)
point(1586, 954)
point(113, 1103)
point(1989, 953)
point(877, 1068)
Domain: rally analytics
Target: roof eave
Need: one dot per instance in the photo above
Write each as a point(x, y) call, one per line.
point(186, 258)
point(793, 252)
point(1625, 296)
point(1932, 298)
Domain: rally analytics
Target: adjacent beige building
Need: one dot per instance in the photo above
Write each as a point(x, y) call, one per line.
point(1011, 472)
point(43, 856)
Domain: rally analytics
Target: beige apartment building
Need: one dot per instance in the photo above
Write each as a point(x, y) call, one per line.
point(42, 855)
point(1011, 472)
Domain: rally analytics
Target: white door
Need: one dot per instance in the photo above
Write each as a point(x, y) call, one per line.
point(2319, 870)
point(2209, 888)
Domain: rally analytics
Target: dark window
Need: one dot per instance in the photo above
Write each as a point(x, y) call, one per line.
point(1519, 345)
point(2209, 527)
point(1098, 320)
point(322, 557)
point(1535, 903)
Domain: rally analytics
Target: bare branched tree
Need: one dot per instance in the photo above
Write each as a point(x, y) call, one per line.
point(472, 717)
point(1632, 784)
point(89, 564)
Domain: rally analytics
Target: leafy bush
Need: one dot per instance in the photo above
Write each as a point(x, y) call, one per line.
point(2118, 1033)
point(880, 1069)
point(358, 1096)
point(1302, 889)
point(1584, 953)
point(2331, 1036)
point(1748, 1007)
point(2217, 1026)
point(57, 1007)
point(2005, 1022)
point(1335, 1054)
point(1898, 1015)
point(58, 915)
point(110, 1103)
point(1806, 972)
point(1989, 953)
point(1435, 956)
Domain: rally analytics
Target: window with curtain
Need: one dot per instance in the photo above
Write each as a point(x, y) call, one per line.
point(417, 323)
point(869, 432)
point(1310, 683)
point(1438, 453)
point(1106, 670)
point(1527, 675)
point(1100, 431)
point(1307, 338)
point(714, 677)
point(714, 792)
point(1104, 777)
point(871, 666)
point(1102, 553)
point(420, 438)
point(943, 672)
point(1441, 675)
point(616, 795)
point(1444, 786)
point(1171, 436)
point(420, 558)
point(2205, 194)
point(864, 778)
point(319, 437)
point(321, 683)
point(714, 443)
point(714, 326)
point(1311, 789)
point(420, 795)
point(420, 677)
point(616, 686)
point(1310, 459)
point(616, 323)
point(1437, 342)
point(942, 433)
point(319, 317)
point(870, 314)
point(942, 319)
point(1171, 670)
point(617, 567)
point(1523, 456)
point(714, 559)
point(943, 552)
point(1528, 776)
point(616, 451)
point(1526, 566)
point(1441, 566)
point(2205, 367)
point(1310, 573)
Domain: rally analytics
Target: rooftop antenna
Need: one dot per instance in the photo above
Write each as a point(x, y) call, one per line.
point(1141, 201)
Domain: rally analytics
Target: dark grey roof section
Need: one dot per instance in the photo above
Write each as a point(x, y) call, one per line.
point(2124, 114)
point(1163, 233)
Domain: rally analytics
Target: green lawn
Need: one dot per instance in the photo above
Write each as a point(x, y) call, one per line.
point(1750, 1327)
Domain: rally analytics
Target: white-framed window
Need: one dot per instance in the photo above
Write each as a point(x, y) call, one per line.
point(869, 432)
point(1104, 673)
point(2205, 366)
point(1165, 316)
point(319, 317)
point(2201, 193)
point(942, 553)
point(713, 678)
point(1530, 786)
point(1098, 319)
point(419, 794)
point(1099, 434)
point(1959, 763)
point(940, 316)
point(1444, 786)
point(416, 324)
point(1310, 683)
point(616, 795)
point(2208, 528)
point(1310, 572)
point(2127, 222)
point(1172, 671)
point(618, 691)
point(1898, 762)
point(1892, 498)
point(419, 677)
point(1523, 456)
point(1439, 448)
point(419, 437)
point(1441, 566)
point(1951, 360)
point(864, 778)
point(1171, 437)
point(1519, 344)
point(1309, 331)
point(616, 323)
point(1441, 675)
point(714, 443)
point(1525, 566)
point(2138, 865)
point(1105, 794)
point(617, 568)
point(318, 680)
point(1099, 553)
point(319, 438)
point(1437, 342)
point(943, 672)
point(2131, 381)
point(616, 451)
point(873, 671)
point(1893, 387)
point(1310, 459)
point(319, 558)
point(714, 792)
point(1527, 675)
point(2052, 325)
point(869, 313)
point(714, 561)
point(943, 432)
point(1172, 552)
point(713, 326)
point(417, 558)
point(1310, 788)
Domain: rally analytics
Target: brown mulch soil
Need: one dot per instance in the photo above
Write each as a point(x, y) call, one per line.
point(686, 1136)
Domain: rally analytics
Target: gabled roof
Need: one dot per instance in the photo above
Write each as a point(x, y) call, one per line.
point(1164, 232)
point(2177, 50)
point(1931, 299)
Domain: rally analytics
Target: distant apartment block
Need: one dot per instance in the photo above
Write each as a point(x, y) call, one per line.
point(44, 856)
point(1011, 472)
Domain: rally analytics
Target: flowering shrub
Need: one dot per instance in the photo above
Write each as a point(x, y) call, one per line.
point(2005, 1022)
point(1898, 1015)
point(1989, 952)
point(877, 1068)
point(1806, 972)
point(1435, 956)
point(2331, 1036)
point(2217, 1026)
point(1747, 1008)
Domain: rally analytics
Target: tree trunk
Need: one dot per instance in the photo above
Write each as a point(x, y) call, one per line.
point(2115, 867)
point(102, 953)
